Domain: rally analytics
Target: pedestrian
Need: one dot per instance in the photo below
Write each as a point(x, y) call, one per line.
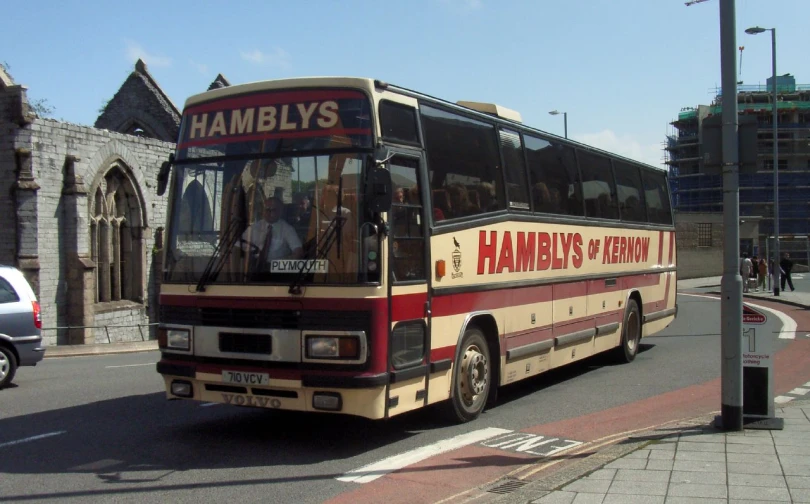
point(762, 273)
point(787, 266)
point(745, 271)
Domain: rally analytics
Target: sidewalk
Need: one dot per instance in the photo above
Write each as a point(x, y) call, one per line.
point(794, 298)
point(691, 464)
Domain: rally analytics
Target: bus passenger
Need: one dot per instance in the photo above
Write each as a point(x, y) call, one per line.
point(459, 200)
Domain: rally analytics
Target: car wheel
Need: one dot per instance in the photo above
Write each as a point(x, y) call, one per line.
point(8, 366)
point(472, 377)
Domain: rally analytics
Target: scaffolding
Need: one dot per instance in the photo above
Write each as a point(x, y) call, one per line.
point(696, 189)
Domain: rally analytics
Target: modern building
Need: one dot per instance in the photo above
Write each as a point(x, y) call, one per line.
point(696, 178)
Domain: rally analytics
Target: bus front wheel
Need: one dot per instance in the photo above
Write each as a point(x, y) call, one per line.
point(472, 377)
point(631, 333)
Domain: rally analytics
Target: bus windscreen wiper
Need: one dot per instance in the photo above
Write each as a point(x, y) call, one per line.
point(217, 260)
point(332, 234)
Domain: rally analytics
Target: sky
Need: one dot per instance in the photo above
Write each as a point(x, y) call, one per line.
point(621, 69)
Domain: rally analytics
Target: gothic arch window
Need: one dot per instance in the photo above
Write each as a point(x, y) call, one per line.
point(117, 247)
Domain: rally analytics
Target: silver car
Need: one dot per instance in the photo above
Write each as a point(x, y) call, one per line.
point(20, 324)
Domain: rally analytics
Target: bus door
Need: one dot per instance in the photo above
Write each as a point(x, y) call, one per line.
point(409, 340)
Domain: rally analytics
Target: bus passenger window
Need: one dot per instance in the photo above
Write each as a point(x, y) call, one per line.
point(554, 177)
point(464, 163)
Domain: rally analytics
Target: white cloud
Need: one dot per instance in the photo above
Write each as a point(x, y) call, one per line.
point(278, 57)
point(135, 52)
point(200, 67)
point(624, 145)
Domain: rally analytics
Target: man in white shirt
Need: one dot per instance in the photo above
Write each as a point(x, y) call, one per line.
point(271, 238)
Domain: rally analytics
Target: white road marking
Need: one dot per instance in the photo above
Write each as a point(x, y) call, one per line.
point(789, 325)
point(32, 438)
point(373, 471)
point(205, 405)
point(799, 391)
point(782, 399)
point(130, 365)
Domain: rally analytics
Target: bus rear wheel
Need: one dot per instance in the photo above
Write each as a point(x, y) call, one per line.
point(631, 333)
point(472, 377)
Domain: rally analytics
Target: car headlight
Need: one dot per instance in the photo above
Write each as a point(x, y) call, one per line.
point(333, 347)
point(178, 339)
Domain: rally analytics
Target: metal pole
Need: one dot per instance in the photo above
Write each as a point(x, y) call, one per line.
point(776, 253)
point(731, 283)
point(565, 123)
point(767, 258)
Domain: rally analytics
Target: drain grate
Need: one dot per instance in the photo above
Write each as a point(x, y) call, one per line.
point(507, 487)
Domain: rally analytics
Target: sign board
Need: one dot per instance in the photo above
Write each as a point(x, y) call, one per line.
point(752, 316)
point(757, 361)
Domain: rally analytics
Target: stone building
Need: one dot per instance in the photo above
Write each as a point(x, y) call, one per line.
point(699, 238)
point(79, 214)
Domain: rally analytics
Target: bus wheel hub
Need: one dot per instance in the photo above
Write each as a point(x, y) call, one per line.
point(474, 373)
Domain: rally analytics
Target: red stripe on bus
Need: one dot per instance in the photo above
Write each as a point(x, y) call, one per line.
point(408, 306)
point(660, 248)
point(572, 327)
point(448, 352)
point(570, 290)
point(270, 136)
point(524, 338)
point(467, 302)
point(271, 98)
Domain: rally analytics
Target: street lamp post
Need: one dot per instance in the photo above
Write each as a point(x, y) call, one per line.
point(565, 120)
point(776, 269)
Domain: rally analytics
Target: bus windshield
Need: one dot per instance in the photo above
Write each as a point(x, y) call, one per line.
point(268, 188)
point(272, 220)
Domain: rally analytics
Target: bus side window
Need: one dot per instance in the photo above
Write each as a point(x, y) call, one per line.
point(463, 155)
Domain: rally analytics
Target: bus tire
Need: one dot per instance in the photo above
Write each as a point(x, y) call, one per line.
point(631, 333)
point(472, 375)
point(8, 366)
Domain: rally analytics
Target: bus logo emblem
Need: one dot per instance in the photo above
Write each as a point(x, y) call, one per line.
point(456, 260)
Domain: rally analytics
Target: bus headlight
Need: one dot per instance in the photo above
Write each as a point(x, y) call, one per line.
point(178, 339)
point(333, 347)
point(347, 347)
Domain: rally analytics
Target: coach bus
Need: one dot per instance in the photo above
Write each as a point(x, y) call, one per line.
point(345, 245)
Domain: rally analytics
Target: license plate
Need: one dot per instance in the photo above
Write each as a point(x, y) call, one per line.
point(244, 378)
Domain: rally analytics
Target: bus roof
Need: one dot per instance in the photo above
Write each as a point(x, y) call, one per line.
point(491, 111)
point(300, 82)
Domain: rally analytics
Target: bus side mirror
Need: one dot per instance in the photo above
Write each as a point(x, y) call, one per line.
point(378, 189)
point(163, 175)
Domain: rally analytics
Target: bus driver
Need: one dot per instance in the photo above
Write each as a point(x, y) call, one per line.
point(271, 238)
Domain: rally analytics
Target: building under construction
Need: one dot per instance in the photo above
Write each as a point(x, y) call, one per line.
point(695, 173)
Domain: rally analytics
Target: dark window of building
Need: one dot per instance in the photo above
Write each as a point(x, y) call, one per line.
point(704, 234)
point(630, 192)
point(464, 165)
point(656, 196)
point(516, 183)
point(598, 187)
point(783, 164)
point(554, 177)
point(398, 122)
point(7, 293)
point(408, 245)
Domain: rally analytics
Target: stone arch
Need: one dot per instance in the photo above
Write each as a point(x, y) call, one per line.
point(117, 153)
point(117, 225)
